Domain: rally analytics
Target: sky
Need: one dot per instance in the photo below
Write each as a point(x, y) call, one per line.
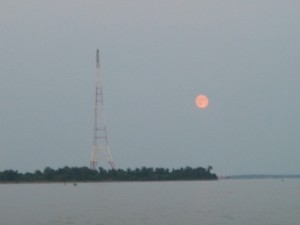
point(156, 57)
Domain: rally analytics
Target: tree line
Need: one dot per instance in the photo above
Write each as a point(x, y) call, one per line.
point(73, 174)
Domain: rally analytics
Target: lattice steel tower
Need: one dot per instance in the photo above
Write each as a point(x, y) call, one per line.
point(100, 143)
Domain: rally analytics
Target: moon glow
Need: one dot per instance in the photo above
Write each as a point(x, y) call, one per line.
point(201, 101)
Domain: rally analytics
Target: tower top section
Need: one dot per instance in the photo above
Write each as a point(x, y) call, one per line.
point(97, 59)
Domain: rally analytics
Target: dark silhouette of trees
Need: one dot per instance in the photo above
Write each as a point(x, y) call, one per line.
point(73, 174)
point(209, 168)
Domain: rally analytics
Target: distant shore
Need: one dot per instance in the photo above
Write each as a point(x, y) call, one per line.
point(98, 182)
point(262, 176)
point(84, 174)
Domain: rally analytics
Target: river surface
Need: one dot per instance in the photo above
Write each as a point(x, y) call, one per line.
point(223, 202)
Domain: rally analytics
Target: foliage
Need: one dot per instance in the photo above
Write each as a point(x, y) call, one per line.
point(66, 174)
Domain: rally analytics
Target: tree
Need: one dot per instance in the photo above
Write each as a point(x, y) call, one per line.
point(49, 173)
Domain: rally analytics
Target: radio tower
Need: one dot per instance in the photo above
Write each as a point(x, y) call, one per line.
point(100, 133)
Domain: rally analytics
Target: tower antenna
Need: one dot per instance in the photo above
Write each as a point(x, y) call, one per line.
point(100, 142)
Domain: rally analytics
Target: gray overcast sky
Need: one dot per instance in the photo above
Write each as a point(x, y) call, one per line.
point(156, 57)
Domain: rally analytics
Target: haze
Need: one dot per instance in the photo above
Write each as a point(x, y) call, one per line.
point(156, 57)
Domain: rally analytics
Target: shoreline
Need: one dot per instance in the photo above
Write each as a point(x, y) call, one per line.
point(82, 182)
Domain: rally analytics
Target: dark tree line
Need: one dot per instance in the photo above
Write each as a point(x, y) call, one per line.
point(72, 174)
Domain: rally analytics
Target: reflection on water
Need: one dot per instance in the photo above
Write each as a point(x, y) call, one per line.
point(228, 202)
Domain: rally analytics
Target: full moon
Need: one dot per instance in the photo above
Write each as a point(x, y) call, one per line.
point(201, 101)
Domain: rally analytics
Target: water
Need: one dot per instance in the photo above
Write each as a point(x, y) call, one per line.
point(224, 202)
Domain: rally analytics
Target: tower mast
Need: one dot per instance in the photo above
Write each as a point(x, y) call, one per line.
point(100, 142)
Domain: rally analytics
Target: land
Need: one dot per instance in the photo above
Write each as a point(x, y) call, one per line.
point(84, 174)
point(263, 176)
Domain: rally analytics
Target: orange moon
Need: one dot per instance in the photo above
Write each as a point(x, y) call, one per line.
point(201, 101)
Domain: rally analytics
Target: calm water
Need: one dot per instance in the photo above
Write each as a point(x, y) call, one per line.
point(228, 202)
